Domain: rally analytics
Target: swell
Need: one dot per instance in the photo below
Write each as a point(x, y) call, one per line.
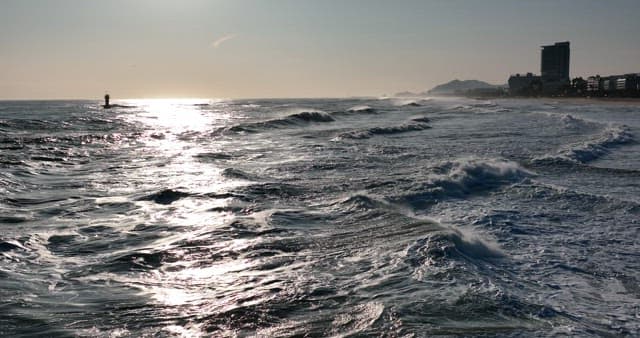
point(254, 192)
point(388, 130)
point(297, 119)
point(18, 142)
point(69, 123)
point(33, 124)
point(568, 198)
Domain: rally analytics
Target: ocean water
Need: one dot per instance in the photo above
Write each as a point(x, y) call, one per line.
point(320, 217)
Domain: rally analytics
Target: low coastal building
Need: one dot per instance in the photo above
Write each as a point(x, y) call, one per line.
point(554, 73)
point(594, 84)
point(627, 85)
point(526, 85)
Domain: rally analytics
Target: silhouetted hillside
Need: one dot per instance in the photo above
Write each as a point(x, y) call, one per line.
point(460, 86)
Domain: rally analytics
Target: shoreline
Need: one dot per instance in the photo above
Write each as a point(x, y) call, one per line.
point(591, 100)
point(566, 99)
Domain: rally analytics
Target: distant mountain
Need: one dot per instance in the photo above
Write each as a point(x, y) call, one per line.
point(460, 86)
point(407, 94)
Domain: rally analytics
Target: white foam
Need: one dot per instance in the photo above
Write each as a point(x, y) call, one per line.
point(467, 172)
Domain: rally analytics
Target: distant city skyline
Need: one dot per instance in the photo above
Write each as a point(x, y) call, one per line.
point(70, 49)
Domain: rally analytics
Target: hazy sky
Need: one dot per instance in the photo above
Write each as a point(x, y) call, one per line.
point(297, 48)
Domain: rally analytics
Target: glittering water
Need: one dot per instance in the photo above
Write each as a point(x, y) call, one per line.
point(350, 217)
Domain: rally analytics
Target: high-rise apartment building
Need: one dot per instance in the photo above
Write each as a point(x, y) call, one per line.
point(555, 62)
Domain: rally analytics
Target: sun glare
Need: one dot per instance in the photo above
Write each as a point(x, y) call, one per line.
point(178, 115)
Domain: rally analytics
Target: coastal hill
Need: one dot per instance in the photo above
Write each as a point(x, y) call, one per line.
point(452, 88)
point(460, 86)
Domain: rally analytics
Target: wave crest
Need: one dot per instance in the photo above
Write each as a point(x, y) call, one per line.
point(359, 202)
point(450, 244)
point(460, 178)
point(300, 118)
point(361, 109)
point(312, 116)
point(367, 133)
point(592, 149)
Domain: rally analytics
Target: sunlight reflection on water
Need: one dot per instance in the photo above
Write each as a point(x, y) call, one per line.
point(191, 282)
point(177, 114)
point(169, 121)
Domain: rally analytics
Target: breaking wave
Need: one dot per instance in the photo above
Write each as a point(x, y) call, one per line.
point(569, 121)
point(456, 179)
point(450, 244)
point(590, 150)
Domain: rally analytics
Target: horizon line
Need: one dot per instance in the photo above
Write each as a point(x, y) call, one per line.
point(196, 98)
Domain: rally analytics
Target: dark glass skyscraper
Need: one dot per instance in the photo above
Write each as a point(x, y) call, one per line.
point(555, 62)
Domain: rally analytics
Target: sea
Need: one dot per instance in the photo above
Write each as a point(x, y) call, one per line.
point(358, 217)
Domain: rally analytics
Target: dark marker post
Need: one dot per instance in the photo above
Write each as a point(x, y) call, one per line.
point(106, 101)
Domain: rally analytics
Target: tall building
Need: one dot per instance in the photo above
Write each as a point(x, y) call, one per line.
point(555, 63)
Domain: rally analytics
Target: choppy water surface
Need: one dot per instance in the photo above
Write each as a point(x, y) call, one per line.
point(357, 217)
